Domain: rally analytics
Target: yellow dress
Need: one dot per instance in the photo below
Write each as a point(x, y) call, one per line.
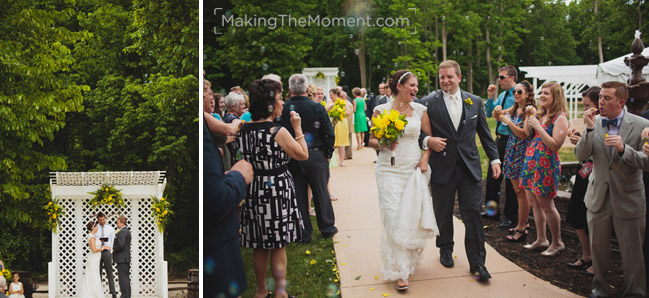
point(341, 131)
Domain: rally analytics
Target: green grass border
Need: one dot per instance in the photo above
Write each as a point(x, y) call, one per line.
point(304, 279)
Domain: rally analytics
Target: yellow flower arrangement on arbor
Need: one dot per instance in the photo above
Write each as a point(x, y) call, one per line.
point(107, 195)
point(161, 211)
point(54, 213)
point(337, 112)
point(387, 127)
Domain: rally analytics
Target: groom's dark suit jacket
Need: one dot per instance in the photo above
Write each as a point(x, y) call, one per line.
point(461, 144)
point(122, 246)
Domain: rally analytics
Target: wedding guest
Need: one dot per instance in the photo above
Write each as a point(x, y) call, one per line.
point(577, 209)
point(381, 98)
point(3, 287)
point(615, 197)
point(220, 140)
point(314, 171)
point(269, 216)
point(369, 107)
point(350, 121)
point(542, 168)
point(236, 106)
point(246, 114)
point(517, 143)
point(360, 123)
point(223, 273)
point(219, 106)
point(341, 130)
point(2, 265)
point(507, 81)
point(16, 289)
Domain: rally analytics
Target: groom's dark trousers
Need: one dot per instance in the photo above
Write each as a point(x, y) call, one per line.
point(106, 263)
point(456, 169)
point(469, 201)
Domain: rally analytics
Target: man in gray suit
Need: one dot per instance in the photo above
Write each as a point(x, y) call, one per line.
point(455, 118)
point(615, 195)
point(122, 256)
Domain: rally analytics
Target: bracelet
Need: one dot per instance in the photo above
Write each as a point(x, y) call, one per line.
point(297, 138)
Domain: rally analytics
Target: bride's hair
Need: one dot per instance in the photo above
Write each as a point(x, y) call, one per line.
point(90, 225)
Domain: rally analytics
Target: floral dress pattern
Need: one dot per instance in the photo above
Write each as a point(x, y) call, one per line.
point(515, 152)
point(541, 168)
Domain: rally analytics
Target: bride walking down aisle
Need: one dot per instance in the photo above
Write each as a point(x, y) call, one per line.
point(404, 199)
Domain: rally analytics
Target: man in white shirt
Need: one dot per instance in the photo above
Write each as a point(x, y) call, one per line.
point(106, 233)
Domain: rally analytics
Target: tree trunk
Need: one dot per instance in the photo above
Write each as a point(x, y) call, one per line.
point(361, 58)
point(599, 35)
point(488, 47)
point(436, 51)
point(500, 34)
point(469, 73)
point(443, 40)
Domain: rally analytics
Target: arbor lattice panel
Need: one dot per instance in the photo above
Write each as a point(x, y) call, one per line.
point(69, 244)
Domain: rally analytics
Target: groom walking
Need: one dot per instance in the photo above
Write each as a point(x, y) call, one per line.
point(122, 256)
point(106, 234)
point(455, 118)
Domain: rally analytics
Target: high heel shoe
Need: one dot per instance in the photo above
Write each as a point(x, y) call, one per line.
point(521, 238)
point(539, 246)
point(553, 252)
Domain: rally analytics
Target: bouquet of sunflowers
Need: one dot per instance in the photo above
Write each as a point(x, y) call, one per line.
point(161, 211)
point(54, 212)
point(107, 195)
point(387, 127)
point(6, 273)
point(337, 112)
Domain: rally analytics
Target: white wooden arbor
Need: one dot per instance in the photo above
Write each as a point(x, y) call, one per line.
point(69, 248)
point(326, 83)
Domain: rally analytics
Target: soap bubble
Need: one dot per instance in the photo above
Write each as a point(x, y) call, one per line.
point(492, 208)
point(262, 49)
point(264, 67)
point(316, 124)
point(209, 265)
point(331, 291)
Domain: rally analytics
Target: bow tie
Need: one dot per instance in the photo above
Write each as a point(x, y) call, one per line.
point(606, 122)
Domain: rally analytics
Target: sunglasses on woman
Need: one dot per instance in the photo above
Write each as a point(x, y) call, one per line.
point(519, 91)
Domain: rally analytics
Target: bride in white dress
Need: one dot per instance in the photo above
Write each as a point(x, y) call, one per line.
point(404, 199)
point(90, 285)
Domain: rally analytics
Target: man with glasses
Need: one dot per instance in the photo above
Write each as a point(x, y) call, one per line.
point(507, 81)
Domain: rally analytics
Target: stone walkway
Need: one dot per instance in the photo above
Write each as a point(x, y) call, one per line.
point(359, 262)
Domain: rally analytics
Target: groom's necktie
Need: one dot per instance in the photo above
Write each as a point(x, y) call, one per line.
point(455, 112)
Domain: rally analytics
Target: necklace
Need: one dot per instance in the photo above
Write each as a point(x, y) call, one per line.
point(400, 112)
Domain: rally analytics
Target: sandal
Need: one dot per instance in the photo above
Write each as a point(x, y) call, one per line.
point(527, 227)
point(580, 263)
point(333, 197)
point(403, 287)
point(511, 238)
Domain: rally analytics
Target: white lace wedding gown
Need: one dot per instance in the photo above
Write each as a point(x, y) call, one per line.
point(90, 285)
point(405, 201)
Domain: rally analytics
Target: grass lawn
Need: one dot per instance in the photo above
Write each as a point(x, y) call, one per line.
point(565, 153)
point(312, 274)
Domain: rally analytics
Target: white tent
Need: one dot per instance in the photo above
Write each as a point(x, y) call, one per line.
point(616, 70)
point(576, 78)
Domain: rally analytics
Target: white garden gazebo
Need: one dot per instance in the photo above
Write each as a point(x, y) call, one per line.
point(323, 77)
point(69, 248)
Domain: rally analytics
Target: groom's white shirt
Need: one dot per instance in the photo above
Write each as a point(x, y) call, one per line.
point(106, 231)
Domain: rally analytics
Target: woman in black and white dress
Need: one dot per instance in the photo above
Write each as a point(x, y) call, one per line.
point(269, 216)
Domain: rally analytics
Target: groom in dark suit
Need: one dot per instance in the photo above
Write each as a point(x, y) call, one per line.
point(455, 118)
point(122, 256)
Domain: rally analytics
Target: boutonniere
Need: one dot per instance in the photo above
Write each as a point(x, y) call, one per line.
point(468, 102)
point(117, 231)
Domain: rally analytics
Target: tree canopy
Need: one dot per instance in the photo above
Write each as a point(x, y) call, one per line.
point(481, 35)
point(93, 85)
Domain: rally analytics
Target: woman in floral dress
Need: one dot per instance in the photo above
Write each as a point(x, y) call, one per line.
point(542, 168)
